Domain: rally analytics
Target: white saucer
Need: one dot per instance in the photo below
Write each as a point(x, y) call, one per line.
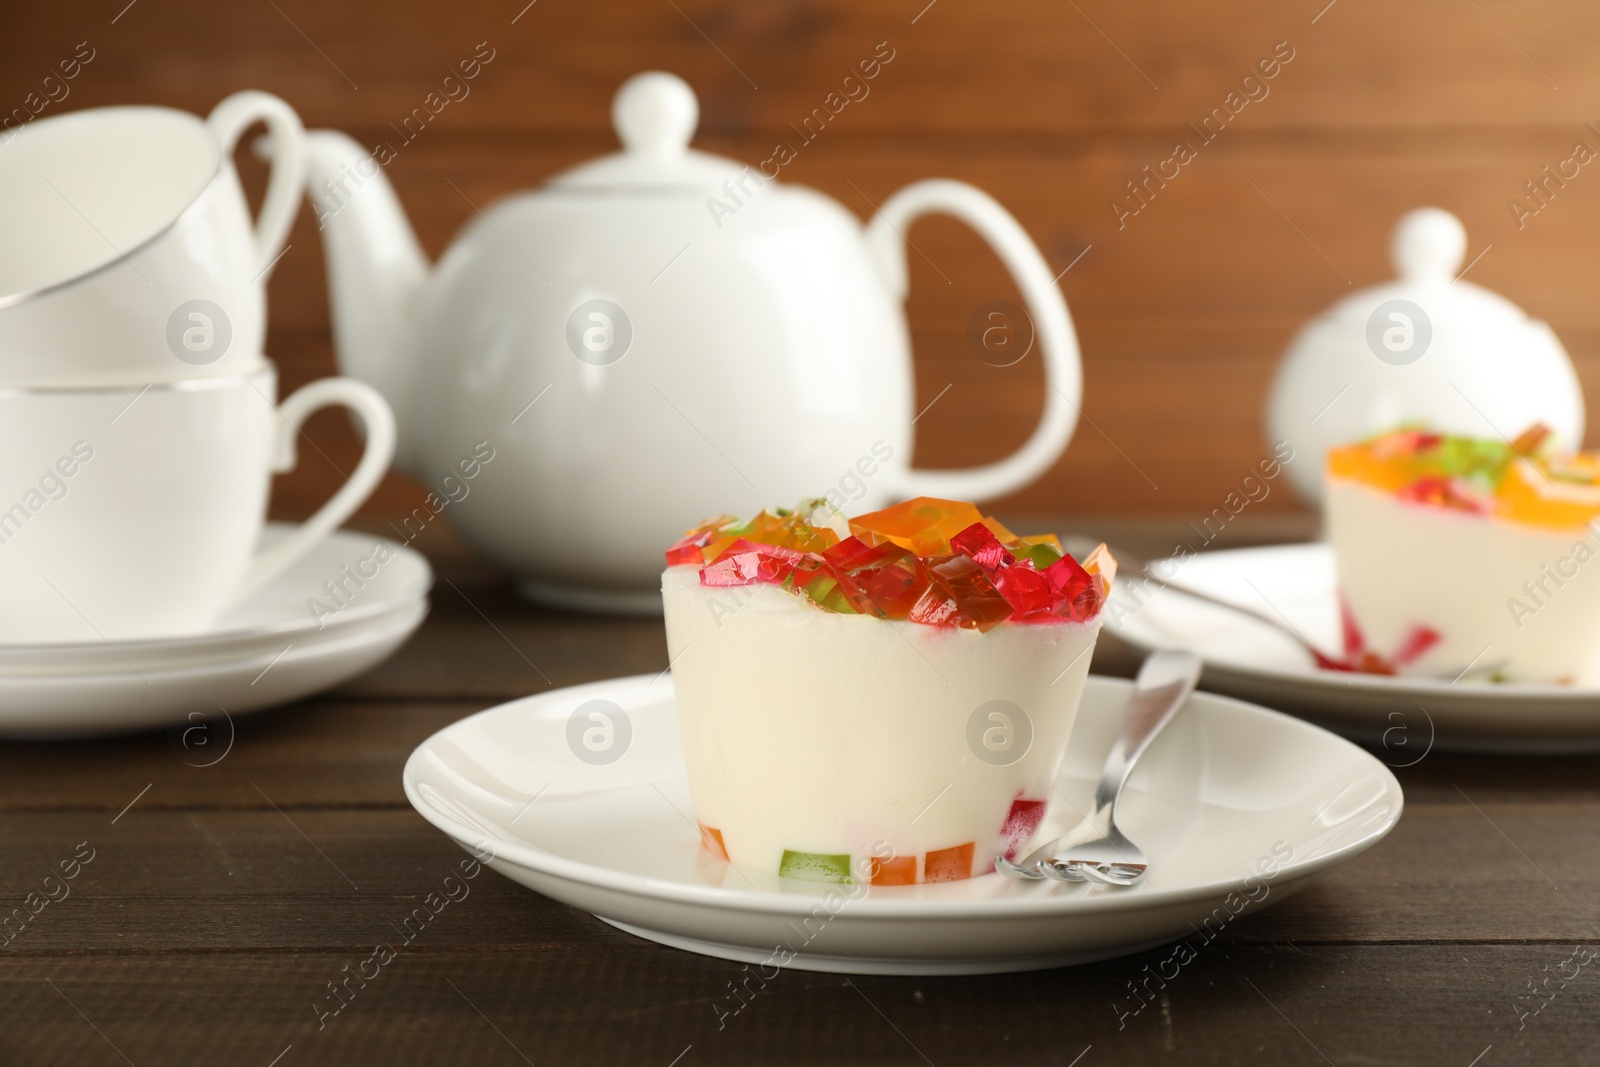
point(268, 650)
point(1407, 716)
point(1215, 794)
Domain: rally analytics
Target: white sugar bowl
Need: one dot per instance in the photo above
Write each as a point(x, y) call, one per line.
point(1427, 347)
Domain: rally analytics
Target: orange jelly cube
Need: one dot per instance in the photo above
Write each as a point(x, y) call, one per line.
point(896, 870)
point(711, 838)
point(1103, 566)
point(948, 864)
point(924, 525)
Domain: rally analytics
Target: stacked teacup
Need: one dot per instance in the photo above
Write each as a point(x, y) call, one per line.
point(139, 424)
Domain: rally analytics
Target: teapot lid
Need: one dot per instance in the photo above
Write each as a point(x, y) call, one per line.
point(655, 114)
point(1427, 249)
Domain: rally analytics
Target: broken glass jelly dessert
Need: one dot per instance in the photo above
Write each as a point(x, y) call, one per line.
point(932, 561)
point(1457, 552)
point(883, 699)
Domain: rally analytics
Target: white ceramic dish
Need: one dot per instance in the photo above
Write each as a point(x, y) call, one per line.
point(1229, 789)
point(783, 326)
point(269, 650)
point(1407, 716)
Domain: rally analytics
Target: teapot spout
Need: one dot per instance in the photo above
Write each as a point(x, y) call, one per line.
point(376, 271)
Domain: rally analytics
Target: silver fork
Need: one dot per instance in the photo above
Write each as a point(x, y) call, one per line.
point(1096, 849)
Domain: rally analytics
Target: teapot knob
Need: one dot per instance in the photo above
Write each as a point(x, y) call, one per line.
point(655, 113)
point(1429, 244)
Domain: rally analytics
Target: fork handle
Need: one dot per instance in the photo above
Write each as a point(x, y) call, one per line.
point(1165, 680)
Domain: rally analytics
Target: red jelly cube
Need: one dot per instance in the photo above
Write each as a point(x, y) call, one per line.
point(685, 551)
point(1077, 595)
point(1355, 642)
point(979, 599)
point(732, 568)
point(847, 554)
point(960, 594)
point(1416, 645)
point(745, 563)
point(1022, 822)
point(1026, 590)
point(878, 556)
point(979, 543)
point(882, 580)
point(894, 590)
point(948, 864)
point(690, 547)
point(1067, 577)
point(1444, 493)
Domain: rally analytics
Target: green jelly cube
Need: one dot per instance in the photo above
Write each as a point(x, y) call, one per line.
point(826, 594)
point(815, 866)
point(1042, 555)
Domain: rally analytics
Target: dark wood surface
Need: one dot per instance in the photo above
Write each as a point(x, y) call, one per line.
point(219, 903)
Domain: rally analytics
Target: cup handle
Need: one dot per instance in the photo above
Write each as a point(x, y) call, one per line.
point(377, 421)
point(286, 145)
point(1052, 327)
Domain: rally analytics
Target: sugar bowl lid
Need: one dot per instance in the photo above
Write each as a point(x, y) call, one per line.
point(1428, 347)
point(1428, 250)
point(655, 115)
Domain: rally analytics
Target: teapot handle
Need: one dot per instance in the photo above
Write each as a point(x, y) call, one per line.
point(286, 147)
point(1052, 323)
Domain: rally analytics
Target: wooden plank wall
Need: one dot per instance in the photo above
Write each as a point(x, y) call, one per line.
point(1051, 106)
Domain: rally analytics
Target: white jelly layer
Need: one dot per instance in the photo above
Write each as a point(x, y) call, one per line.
point(811, 731)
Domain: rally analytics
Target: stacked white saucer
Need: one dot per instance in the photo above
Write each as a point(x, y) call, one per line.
point(288, 640)
point(139, 423)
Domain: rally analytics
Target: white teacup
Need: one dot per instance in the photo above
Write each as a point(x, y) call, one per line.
point(134, 512)
point(127, 251)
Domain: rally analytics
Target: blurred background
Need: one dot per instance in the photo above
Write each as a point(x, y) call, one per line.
point(1182, 309)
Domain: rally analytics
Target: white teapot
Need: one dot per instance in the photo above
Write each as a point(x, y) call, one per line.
point(1427, 347)
point(656, 336)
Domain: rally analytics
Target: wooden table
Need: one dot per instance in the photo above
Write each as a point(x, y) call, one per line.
point(220, 901)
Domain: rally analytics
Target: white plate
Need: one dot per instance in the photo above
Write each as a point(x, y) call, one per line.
point(267, 651)
point(1215, 794)
point(1407, 716)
